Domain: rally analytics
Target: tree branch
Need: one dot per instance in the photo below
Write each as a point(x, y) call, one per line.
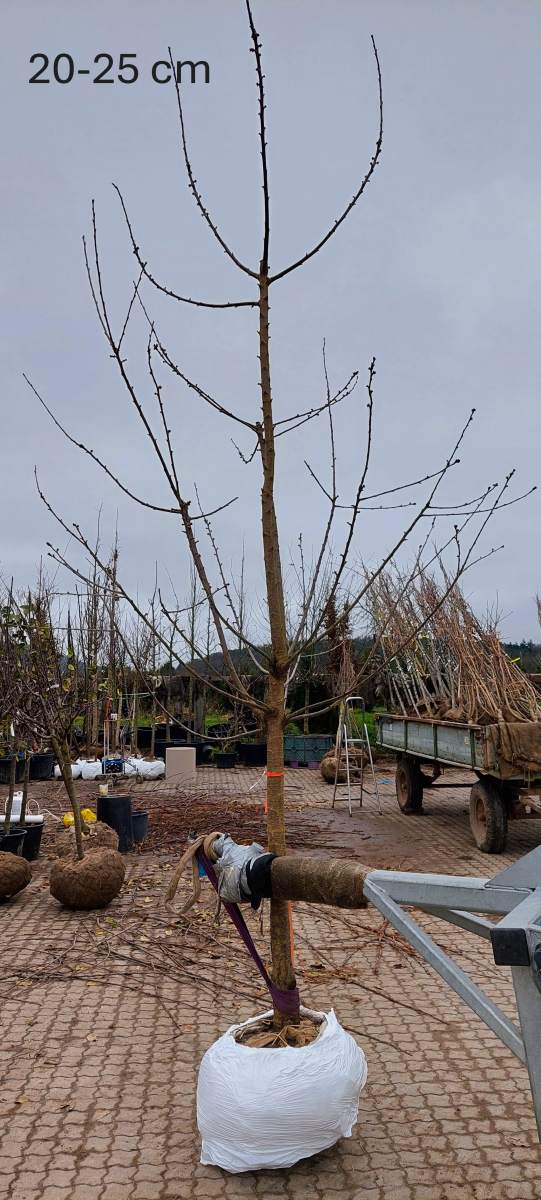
point(262, 138)
point(193, 183)
point(373, 164)
point(194, 387)
point(161, 287)
point(80, 446)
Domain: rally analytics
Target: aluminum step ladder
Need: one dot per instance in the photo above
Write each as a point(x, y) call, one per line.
point(352, 734)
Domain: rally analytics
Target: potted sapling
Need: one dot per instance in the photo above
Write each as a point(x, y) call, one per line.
point(224, 755)
point(269, 1103)
point(78, 880)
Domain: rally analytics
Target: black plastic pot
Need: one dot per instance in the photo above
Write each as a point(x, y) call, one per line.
point(203, 754)
point(140, 825)
point(42, 765)
point(161, 745)
point(13, 841)
point(32, 842)
point(253, 754)
point(116, 811)
point(5, 768)
point(225, 760)
point(144, 735)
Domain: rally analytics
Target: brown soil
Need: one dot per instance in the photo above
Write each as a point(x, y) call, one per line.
point(263, 1036)
point(94, 836)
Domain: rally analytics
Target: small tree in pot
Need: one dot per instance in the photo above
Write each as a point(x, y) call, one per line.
point(51, 677)
point(293, 624)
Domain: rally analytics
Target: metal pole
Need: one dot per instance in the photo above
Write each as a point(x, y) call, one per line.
point(449, 971)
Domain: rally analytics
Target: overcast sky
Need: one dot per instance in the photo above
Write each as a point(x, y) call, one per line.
point(436, 273)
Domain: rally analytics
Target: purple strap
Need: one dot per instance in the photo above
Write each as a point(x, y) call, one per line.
point(286, 1002)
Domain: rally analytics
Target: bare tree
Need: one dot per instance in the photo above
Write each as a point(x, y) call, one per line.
point(12, 693)
point(91, 613)
point(48, 676)
point(292, 629)
point(136, 638)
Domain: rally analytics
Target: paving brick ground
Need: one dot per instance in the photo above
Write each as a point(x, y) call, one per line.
point(99, 1051)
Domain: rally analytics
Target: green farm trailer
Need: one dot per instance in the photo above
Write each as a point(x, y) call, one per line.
point(506, 759)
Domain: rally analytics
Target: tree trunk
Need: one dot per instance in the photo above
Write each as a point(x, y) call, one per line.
point(9, 801)
point(26, 780)
point(191, 718)
point(135, 722)
point(306, 721)
point(88, 722)
point(153, 727)
point(169, 691)
point(94, 699)
point(113, 683)
point(64, 762)
point(282, 968)
point(168, 704)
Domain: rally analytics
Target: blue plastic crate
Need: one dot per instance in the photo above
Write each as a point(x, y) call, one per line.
point(112, 766)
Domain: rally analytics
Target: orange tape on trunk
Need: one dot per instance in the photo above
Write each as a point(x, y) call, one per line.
point(271, 775)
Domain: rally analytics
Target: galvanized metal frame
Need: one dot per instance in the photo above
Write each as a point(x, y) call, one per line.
point(515, 896)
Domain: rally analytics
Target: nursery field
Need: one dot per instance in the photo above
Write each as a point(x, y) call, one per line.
point(105, 1016)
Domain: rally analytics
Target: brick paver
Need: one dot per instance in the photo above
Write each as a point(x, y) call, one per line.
point(99, 1055)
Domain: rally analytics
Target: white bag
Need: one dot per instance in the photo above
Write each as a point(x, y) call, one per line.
point(151, 768)
point(145, 768)
point(75, 770)
point(261, 1108)
point(90, 768)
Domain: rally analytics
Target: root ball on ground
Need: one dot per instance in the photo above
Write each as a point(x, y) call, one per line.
point(97, 836)
point(357, 758)
point(15, 874)
point(90, 882)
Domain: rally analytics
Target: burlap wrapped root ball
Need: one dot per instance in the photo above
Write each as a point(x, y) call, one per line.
point(95, 837)
point(357, 758)
point(15, 874)
point(89, 882)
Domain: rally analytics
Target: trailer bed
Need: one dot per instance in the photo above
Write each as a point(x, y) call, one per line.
point(445, 742)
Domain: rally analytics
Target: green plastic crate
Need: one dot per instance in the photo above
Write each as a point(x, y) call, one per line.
point(307, 748)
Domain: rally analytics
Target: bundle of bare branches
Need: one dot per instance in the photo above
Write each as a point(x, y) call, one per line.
point(441, 660)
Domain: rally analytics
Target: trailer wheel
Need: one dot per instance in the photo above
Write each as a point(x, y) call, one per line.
point(488, 816)
point(409, 785)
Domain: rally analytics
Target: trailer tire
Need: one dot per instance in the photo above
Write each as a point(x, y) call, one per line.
point(488, 816)
point(409, 785)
